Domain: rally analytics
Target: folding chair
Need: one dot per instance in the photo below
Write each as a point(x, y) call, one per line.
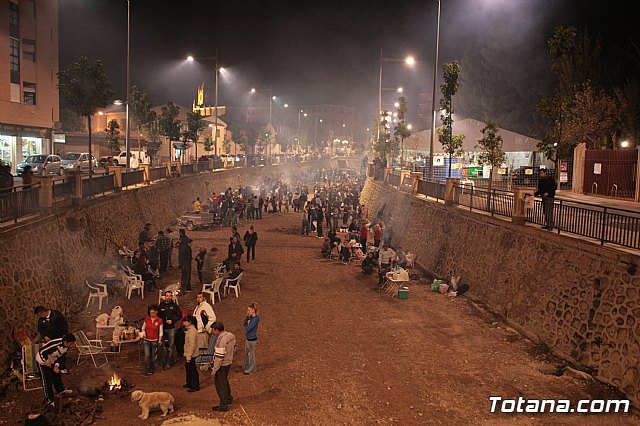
point(88, 348)
point(31, 379)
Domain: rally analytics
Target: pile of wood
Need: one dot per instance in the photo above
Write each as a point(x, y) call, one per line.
point(73, 411)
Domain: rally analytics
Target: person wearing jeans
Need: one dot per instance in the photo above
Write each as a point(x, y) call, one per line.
point(152, 337)
point(250, 240)
point(223, 357)
point(170, 313)
point(251, 322)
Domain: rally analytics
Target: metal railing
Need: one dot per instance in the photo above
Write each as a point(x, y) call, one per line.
point(379, 174)
point(19, 201)
point(605, 224)
point(97, 185)
point(187, 169)
point(157, 173)
point(201, 166)
point(61, 189)
point(433, 189)
point(394, 180)
point(496, 201)
point(133, 177)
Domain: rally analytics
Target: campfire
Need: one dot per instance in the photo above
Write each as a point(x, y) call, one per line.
point(115, 386)
point(115, 383)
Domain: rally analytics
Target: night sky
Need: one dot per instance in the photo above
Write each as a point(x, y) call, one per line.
point(313, 52)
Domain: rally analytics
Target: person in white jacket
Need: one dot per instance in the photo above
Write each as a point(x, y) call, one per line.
point(205, 317)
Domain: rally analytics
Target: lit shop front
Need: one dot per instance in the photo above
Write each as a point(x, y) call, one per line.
point(18, 142)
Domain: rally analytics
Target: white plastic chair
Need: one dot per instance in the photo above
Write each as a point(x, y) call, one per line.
point(134, 282)
point(99, 291)
point(213, 289)
point(220, 269)
point(234, 284)
point(127, 250)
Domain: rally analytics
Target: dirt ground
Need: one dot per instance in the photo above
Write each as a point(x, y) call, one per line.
point(333, 350)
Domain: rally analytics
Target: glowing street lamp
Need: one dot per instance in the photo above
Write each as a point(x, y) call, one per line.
point(410, 60)
point(253, 90)
point(400, 90)
point(396, 104)
point(624, 144)
point(190, 58)
point(286, 105)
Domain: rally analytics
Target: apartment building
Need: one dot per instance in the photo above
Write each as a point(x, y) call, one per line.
point(28, 77)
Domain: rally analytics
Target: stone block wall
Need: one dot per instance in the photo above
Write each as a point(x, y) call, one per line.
point(45, 262)
point(581, 300)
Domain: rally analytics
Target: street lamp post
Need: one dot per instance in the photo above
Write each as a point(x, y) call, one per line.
point(299, 132)
point(433, 95)
point(409, 60)
point(127, 134)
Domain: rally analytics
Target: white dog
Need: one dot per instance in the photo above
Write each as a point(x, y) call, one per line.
point(149, 400)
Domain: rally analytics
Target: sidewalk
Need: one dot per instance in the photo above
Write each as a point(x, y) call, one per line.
point(600, 201)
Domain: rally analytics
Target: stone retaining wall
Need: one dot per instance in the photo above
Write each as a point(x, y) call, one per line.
point(46, 262)
point(581, 300)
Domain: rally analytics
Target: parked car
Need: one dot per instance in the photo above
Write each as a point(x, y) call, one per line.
point(121, 158)
point(78, 161)
point(42, 164)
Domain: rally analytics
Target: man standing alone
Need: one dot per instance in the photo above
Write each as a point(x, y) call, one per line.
point(163, 244)
point(223, 357)
point(184, 260)
point(250, 240)
point(170, 313)
point(547, 190)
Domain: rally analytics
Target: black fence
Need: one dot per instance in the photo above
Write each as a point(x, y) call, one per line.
point(432, 189)
point(187, 169)
point(19, 201)
point(61, 189)
point(496, 201)
point(201, 166)
point(97, 185)
point(133, 177)
point(378, 174)
point(157, 173)
point(605, 224)
point(394, 180)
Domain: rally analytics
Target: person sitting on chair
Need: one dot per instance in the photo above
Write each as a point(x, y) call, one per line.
point(368, 264)
point(237, 270)
point(234, 254)
point(401, 258)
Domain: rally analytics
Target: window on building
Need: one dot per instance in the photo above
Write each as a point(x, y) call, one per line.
point(28, 93)
point(29, 50)
point(29, 98)
point(14, 59)
point(14, 20)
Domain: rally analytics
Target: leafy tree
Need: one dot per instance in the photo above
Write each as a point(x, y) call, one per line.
point(384, 146)
point(402, 131)
point(72, 122)
point(168, 124)
point(264, 138)
point(208, 144)
point(629, 94)
point(492, 152)
point(195, 124)
point(593, 117)
point(140, 110)
point(226, 145)
point(451, 145)
point(113, 136)
point(85, 87)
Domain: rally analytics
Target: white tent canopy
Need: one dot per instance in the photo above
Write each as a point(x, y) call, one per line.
point(471, 128)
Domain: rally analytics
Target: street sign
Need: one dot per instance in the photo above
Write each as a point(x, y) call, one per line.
point(597, 168)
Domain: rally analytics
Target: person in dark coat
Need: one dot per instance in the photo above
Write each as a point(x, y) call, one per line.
point(547, 190)
point(234, 254)
point(184, 260)
point(250, 240)
point(52, 325)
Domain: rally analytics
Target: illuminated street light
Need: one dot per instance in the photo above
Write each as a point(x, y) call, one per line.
point(344, 125)
point(189, 58)
point(624, 144)
point(273, 97)
point(253, 90)
point(409, 126)
point(118, 102)
point(221, 69)
point(410, 60)
point(400, 90)
point(305, 114)
point(286, 105)
point(397, 104)
point(102, 113)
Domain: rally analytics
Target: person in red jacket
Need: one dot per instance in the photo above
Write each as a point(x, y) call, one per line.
point(152, 337)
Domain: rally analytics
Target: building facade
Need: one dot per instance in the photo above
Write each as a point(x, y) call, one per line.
point(28, 78)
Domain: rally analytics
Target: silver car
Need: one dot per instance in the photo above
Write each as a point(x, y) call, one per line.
point(77, 161)
point(42, 164)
